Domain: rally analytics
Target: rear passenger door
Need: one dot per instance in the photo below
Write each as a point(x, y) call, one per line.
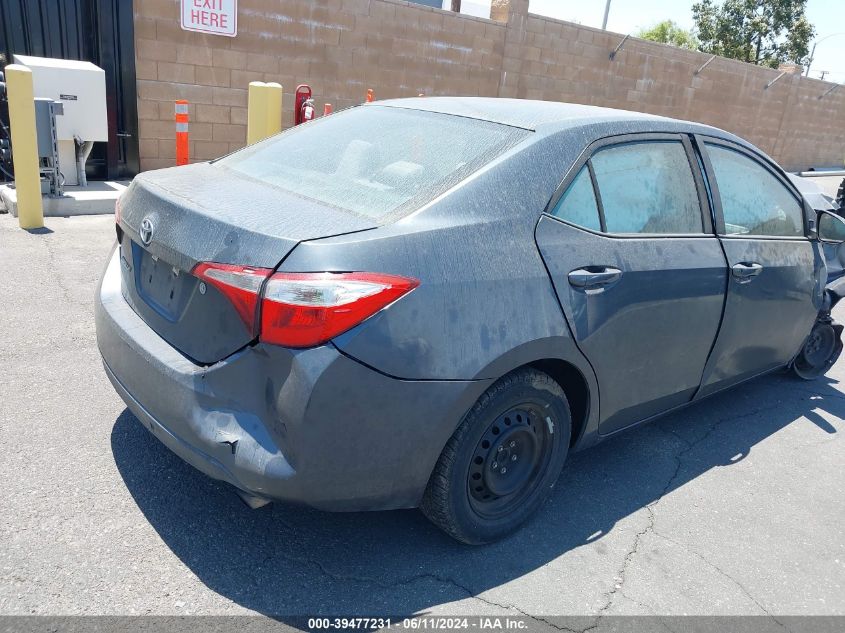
point(641, 277)
point(773, 292)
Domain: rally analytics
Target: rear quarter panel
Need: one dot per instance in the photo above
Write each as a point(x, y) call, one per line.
point(485, 304)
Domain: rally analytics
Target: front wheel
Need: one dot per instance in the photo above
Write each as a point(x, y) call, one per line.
point(820, 351)
point(502, 461)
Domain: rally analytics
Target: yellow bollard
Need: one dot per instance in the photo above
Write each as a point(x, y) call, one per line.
point(274, 108)
point(24, 146)
point(256, 117)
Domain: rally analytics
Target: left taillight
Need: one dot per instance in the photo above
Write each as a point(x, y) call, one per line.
point(240, 284)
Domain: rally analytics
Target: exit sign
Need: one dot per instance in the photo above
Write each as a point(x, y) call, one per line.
point(218, 17)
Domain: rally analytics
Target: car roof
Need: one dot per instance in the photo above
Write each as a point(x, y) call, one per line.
point(550, 116)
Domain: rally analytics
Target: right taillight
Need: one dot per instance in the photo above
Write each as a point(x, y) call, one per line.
point(302, 309)
point(240, 284)
point(307, 309)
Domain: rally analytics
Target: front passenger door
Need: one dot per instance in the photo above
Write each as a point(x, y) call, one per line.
point(773, 295)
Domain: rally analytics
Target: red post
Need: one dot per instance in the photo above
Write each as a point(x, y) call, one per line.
point(327, 109)
point(182, 149)
point(370, 95)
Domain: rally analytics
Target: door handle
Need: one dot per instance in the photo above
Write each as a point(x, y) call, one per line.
point(746, 271)
point(594, 276)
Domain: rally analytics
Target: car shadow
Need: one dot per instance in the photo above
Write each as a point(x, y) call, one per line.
point(286, 561)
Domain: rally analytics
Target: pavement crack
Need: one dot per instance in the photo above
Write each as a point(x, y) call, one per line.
point(57, 276)
point(629, 556)
point(428, 576)
point(724, 574)
point(688, 446)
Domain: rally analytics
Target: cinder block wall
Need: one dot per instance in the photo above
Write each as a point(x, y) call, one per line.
point(343, 47)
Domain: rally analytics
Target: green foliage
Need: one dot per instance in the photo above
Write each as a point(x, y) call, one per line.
point(667, 32)
point(763, 32)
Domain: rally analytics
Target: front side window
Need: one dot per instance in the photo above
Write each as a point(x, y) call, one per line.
point(754, 201)
point(647, 187)
point(578, 203)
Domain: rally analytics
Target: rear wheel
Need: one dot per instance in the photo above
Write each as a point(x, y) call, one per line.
point(502, 461)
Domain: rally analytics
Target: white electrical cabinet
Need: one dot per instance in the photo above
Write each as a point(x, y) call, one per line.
point(81, 87)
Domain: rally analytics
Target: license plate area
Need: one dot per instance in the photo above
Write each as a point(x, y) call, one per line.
point(161, 285)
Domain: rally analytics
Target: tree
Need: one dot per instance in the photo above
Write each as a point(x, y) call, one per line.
point(763, 32)
point(667, 32)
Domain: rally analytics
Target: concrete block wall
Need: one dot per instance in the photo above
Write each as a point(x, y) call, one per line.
point(343, 47)
point(559, 61)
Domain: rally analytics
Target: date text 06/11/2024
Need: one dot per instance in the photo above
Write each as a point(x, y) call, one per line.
point(431, 623)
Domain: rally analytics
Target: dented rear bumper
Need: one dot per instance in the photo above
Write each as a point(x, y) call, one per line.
point(311, 426)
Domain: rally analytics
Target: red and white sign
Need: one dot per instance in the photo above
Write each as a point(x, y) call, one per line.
point(218, 17)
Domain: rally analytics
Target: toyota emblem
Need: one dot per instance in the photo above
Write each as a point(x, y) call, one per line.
point(146, 232)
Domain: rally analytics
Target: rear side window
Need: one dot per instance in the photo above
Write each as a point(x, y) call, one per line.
point(376, 161)
point(647, 187)
point(754, 201)
point(578, 204)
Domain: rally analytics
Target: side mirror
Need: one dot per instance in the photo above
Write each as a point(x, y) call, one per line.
point(830, 228)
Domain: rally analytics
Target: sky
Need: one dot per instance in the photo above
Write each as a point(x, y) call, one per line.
point(629, 16)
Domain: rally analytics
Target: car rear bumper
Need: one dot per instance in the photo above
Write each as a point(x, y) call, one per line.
point(188, 452)
point(312, 426)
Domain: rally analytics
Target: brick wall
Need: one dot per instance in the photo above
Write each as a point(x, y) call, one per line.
point(559, 61)
point(343, 47)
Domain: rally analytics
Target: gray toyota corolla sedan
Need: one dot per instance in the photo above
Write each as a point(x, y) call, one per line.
point(432, 302)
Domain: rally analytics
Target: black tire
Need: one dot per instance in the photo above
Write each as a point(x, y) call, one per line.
point(524, 415)
point(819, 353)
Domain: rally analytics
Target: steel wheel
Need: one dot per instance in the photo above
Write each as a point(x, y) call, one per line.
point(508, 460)
point(819, 352)
point(503, 460)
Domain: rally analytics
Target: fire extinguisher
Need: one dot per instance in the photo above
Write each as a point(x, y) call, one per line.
point(307, 110)
point(301, 107)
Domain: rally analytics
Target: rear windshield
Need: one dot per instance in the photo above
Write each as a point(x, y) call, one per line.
point(375, 161)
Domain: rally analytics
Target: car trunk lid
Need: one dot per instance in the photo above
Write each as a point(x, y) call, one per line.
point(173, 219)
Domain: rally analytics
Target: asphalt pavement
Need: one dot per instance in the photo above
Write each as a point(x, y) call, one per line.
point(733, 506)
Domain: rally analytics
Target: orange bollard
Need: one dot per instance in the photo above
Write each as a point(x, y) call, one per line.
point(327, 109)
point(182, 150)
point(370, 95)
